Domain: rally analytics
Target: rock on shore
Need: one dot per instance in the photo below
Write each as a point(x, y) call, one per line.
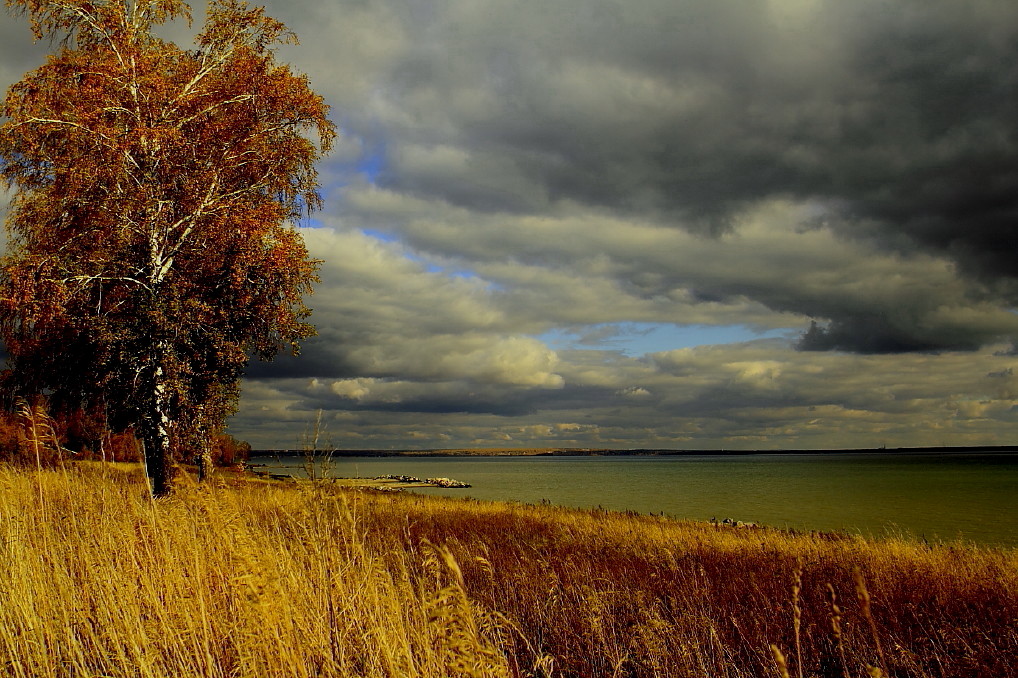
point(434, 482)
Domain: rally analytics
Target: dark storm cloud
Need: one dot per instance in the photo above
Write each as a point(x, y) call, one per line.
point(697, 107)
point(947, 77)
point(895, 121)
point(314, 360)
point(874, 334)
point(897, 118)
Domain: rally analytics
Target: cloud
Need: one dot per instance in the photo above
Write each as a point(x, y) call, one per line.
point(509, 170)
point(886, 126)
point(776, 269)
point(755, 395)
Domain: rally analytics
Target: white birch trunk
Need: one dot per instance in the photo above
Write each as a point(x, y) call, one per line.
point(158, 443)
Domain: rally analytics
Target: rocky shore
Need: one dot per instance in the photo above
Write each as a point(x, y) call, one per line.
point(387, 482)
point(414, 481)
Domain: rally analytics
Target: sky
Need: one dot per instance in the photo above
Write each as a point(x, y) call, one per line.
point(688, 224)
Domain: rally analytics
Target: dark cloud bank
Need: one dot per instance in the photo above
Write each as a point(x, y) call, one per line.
point(513, 167)
point(896, 120)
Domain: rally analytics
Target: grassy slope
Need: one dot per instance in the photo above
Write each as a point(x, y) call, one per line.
point(294, 580)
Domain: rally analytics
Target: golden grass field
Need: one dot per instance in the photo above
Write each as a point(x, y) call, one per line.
point(303, 579)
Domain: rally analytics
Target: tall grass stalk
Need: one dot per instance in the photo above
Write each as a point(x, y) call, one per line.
point(266, 582)
point(308, 579)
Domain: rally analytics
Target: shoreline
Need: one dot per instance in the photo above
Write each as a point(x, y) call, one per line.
point(391, 483)
point(612, 452)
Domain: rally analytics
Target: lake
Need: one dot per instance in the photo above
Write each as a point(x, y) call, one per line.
point(936, 496)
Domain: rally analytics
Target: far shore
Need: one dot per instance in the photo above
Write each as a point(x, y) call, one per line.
point(599, 452)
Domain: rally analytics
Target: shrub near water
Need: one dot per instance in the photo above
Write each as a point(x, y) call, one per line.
point(273, 580)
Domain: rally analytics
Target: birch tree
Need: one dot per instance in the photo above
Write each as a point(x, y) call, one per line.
point(152, 251)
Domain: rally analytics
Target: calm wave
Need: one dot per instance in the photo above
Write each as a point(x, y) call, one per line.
point(933, 496)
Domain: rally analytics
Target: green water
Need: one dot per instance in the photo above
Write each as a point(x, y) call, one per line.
point(933, 496)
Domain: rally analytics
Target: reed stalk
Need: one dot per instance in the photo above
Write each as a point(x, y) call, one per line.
point(244, 578)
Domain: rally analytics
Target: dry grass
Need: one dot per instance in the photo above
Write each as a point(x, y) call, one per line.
point(608, 594)
point(310, 580)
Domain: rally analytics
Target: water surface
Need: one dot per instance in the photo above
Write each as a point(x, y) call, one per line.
point(933, 496)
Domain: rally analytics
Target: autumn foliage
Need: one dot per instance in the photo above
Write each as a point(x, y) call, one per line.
point(152, 251)
point(30, 436)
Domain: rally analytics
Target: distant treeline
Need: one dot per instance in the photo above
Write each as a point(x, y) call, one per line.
point(596, 452)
